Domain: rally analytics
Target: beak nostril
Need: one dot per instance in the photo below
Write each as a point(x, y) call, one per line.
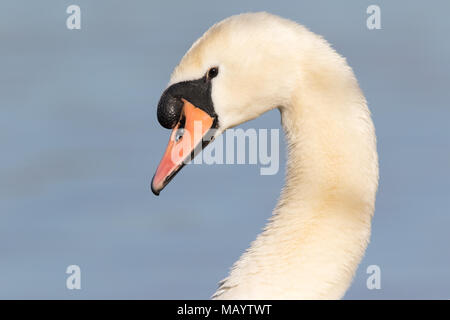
point(179, 134)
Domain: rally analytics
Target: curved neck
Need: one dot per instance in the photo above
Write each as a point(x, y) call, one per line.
point(320, 227)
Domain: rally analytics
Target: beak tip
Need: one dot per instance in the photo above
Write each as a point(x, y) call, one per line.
point(155, 191)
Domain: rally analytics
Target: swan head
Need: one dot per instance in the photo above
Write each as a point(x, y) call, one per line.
point(240, 68)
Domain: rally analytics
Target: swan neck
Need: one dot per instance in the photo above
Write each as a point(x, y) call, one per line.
point(320, 227)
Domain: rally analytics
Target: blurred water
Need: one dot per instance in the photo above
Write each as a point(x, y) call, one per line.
point(79, 142)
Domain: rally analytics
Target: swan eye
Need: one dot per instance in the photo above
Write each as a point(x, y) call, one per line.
point(213, 72)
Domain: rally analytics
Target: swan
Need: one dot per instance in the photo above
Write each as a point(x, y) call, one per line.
point(241, 68)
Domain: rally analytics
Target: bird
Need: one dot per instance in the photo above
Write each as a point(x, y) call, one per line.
point(249, 64)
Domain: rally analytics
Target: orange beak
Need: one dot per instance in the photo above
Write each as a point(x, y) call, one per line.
point(190, 135)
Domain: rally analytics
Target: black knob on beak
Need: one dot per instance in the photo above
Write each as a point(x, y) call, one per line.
point(169, 110)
